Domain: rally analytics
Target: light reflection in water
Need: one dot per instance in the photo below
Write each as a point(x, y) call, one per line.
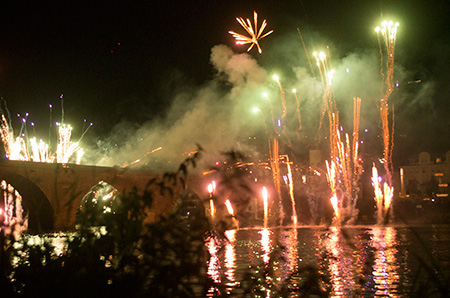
point(358, 261)
point(266, 248)
point(337, 261)
point(265, 244)
point(230, 258)
point(290, 243)
point(213, 264)
point(385, 268)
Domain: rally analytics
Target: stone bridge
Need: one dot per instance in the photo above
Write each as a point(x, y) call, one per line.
point(51, 193)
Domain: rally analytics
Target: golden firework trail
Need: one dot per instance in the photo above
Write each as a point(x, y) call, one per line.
point(329, 104)
point(275, 165)
point(7, 135)
point(211, 190)
point(290, 183)
point(388, 32)
point(255, 34)
point(343, 172)
point(307, 55)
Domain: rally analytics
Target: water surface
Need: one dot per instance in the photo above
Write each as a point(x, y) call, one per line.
point(364, 261)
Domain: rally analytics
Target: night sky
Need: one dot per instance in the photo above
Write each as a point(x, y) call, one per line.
point(129, 62)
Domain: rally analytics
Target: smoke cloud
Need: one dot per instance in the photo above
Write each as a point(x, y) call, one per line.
point(218, 115)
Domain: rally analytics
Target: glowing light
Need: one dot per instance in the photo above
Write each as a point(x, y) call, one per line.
point(230, 259)
point(29, 149)
point(290, 183)
point(383, 197)
point(343, 172)
point(211, 189)
point(265, 244)
point(335, 204)
point(256, 110)
point(65, 148)
point(255, 34)
point(229, 207)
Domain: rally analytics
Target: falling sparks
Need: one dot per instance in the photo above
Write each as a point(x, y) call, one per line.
point(255, 34)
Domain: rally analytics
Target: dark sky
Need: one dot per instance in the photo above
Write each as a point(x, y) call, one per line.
point(125, 60)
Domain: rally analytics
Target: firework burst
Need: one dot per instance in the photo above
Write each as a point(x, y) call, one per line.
point(255, 34)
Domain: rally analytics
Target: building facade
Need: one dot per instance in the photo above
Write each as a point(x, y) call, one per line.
point(426, 178)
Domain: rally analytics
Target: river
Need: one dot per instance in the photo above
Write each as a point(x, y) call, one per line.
point(356, 261)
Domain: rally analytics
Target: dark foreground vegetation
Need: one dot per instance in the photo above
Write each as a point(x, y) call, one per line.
point(127, 256)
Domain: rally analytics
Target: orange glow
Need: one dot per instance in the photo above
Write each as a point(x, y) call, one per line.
point(335, 203)
point(229, 207)
point(265, 243)
point(230, 259)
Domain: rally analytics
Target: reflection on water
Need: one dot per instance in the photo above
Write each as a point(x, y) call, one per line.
point(385, 269)
point(361, 261)
point(230, 258)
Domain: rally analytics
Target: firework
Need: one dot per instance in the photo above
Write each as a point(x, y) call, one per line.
point(306, 52)
point(231, 212)
point(335, 203)
point(66, 149)
point(329, 104)
point(255, 34)
point(275, 165)
point(388, 31)
point(24, 148)
point(343, 172)
point(229, 207)
point(40, 152)
point(7, 135)
point(211, 189)
point(383, 197)
point(291, 190)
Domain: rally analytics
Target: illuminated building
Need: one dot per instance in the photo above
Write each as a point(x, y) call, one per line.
point(426, 178)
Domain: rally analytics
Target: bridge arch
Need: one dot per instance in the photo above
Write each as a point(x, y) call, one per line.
point(34, 203)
